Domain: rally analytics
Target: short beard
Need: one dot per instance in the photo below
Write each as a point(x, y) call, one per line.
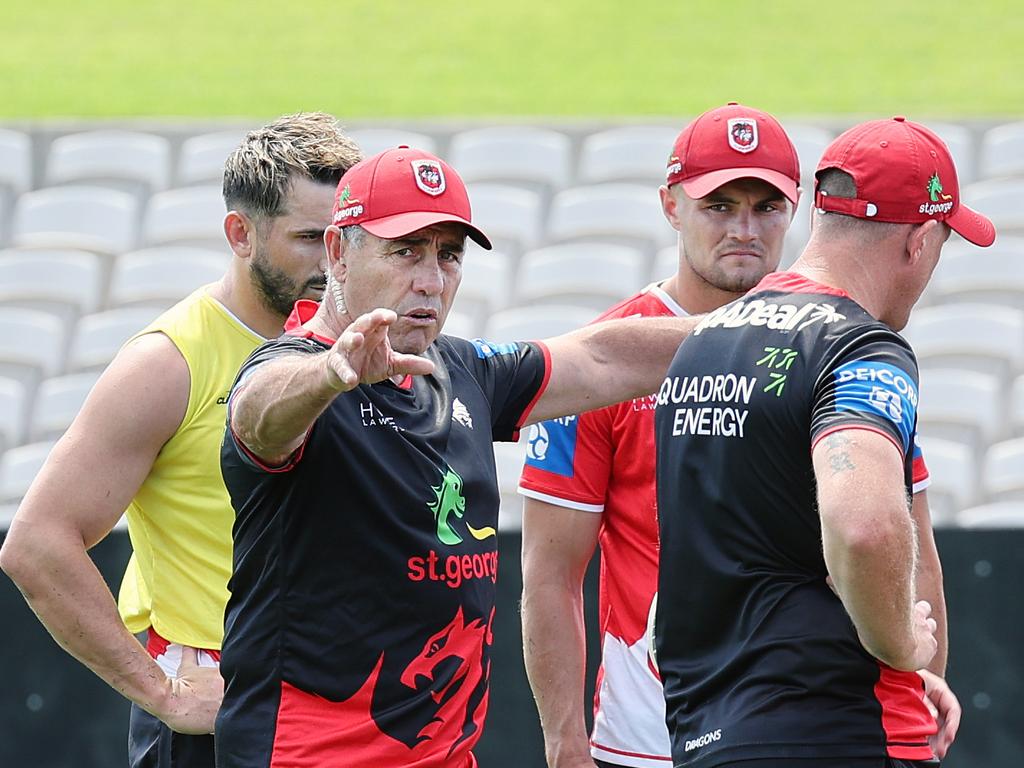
point(277, 292)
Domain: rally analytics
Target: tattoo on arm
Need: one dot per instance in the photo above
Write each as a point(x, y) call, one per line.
point(838, 453)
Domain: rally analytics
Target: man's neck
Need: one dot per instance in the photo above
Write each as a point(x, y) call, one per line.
point(850, 274)
point(694, 295)
point(242, 301)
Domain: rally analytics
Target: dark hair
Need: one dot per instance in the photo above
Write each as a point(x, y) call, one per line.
point(258, 175)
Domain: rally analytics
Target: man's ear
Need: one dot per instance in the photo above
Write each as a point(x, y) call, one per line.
point(337, 253)
point(921, 237)
point(669, 206)
point(238, 229)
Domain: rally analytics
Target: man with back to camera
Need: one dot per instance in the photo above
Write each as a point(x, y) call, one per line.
point(147, 440)
point(799, 643)
point(732, 186)
point(359, 461)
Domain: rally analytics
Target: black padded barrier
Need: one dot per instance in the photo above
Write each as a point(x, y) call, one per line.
point(55, 714)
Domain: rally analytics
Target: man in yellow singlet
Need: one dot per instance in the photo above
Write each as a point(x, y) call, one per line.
point(147, 443)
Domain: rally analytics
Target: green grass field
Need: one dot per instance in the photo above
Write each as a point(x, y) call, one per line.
point(587, 58)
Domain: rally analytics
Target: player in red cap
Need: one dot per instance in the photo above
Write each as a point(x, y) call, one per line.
point(789, 625)
point(732, 186)
point(358, 459)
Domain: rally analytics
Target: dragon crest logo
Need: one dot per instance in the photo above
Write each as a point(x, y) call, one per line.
point(429, 176)
point(449, 505)
point(743, 134)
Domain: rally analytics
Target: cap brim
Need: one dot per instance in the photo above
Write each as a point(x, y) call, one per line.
point(972, 226)
point(706, 183)
point(402, 224)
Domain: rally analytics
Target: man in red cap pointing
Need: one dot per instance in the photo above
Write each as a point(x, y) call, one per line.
point(358, 459)
point(790, 626)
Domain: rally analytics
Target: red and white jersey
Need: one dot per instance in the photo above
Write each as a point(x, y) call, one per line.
point(603, 462)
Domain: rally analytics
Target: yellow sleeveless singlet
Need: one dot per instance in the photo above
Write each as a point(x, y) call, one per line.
point(180, 520)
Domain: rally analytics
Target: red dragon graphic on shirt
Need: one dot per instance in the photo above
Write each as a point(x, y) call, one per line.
point(449, 674)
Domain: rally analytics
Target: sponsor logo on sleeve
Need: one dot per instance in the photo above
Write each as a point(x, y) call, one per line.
point(551, 445)
point(878, 389)
point(776, 317)
point(485, 349)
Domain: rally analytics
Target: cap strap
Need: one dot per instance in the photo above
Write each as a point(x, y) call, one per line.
point(851, 206)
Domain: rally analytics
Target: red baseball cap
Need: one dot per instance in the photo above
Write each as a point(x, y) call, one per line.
point(401, 190)
point(904, 175)
point(734, 142)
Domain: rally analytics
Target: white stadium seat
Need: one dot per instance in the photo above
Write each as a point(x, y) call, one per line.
point(19, 466)
point(589, 274)
point(966, 273)
point(486, 280)
point(13, 398)
point(610, 212)
point(961, 145)
point(810, 142)
point(1002, 475)
point(537, 322)
point(89, 218)
point(521, 154)
point(57, 402)
point(666, 263)
point(123, 159)
point(510, 216)
point(1003, 514)
point(953, 474)
point(630, 153)
point(508, 461)
point(163, 276)
point(37, 277)
point(99, 336)
point(202, 157)
point(1002, 151)
point(977, 336)
point(374, 140)
point(1000, 200)
point(964, 406)
point(186, 216)
point(31, 338)
point(15, 161)
point(461, 324)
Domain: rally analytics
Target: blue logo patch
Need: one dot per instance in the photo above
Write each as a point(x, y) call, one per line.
point(879, 389)
point(551, 445)
point(485, 349)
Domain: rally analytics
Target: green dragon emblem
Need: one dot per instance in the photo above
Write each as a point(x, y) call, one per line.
point(449, 501)
point(346, 193)
point(934, 189)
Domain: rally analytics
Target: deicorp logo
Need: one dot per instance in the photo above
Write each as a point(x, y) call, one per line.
point(879, 389)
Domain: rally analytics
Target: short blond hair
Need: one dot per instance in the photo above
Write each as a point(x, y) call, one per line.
point(311, 145)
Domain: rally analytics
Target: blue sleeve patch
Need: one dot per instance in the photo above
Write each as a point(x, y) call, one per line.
point(551, 445)
point(881, 389)
point(485, 349)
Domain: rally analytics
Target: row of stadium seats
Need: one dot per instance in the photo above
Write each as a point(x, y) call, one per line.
point(553, 158)
point(111, 191)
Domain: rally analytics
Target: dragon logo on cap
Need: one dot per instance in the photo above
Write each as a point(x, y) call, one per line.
point(743, 134)
point(429, 176)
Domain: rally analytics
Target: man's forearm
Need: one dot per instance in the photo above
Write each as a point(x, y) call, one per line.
point(275, 408)
point(873, 572)
point(63, 587)
point(929, 580)
point(554, 652)
point(610, 362)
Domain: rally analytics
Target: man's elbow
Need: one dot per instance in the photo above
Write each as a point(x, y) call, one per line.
point(16, 559)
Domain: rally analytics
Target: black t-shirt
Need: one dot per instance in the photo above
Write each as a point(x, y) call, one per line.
point(358, 630)
point(758, 656)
